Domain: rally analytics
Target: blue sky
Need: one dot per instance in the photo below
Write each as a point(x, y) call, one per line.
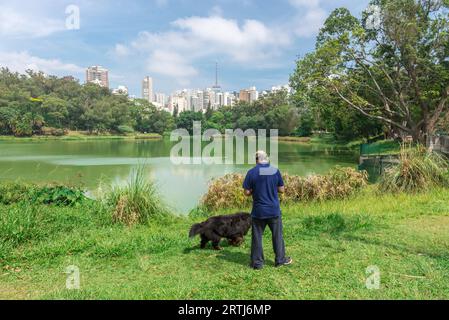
point(174, 41)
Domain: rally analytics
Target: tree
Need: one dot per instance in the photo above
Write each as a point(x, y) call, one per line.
point(176, 111)
point(186, 119)
point(54, 111)
point(395, 72)
point(209, 111)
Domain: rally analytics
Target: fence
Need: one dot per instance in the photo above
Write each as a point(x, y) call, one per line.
point(439, 144)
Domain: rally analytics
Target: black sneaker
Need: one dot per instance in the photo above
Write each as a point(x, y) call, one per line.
point(288, 261)
point(256, 267)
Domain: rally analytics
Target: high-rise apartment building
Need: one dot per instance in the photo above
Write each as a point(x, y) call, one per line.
point(98, 75)
point(161, 99)
point(249, 95)
point(147, 89)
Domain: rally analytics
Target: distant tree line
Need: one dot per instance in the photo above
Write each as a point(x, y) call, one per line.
point(34, 103)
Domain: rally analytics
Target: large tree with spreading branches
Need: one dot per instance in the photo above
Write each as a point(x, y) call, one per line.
point(392, 65)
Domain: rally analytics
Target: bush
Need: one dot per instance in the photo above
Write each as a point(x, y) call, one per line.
point(135, 202)
point(125, 129)
point(50, 131)
point(226, 192)
point(58, 195)
point(14, 192)
point(416, 170)
point(339, 183)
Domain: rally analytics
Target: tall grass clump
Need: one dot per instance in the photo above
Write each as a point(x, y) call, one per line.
point(226, 192)
point(135, 202)
point(339, 183)
point(417, 169)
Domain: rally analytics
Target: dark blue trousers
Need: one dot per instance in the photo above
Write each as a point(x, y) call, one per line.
point(258, 228)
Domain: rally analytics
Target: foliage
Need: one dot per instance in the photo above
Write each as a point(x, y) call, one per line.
point(225, 192)
point(394, 73)
point(339, 183)
point(58, 195)
point(33, 103)
point(37, 104)
point(14, 192)
point(271, 111)
point(417, 170)
point(136, 202)
point(125, 129)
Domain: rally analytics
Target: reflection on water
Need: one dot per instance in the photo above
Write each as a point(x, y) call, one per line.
point(87, 163)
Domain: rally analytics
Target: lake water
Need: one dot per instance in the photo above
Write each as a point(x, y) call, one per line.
point(88, 163)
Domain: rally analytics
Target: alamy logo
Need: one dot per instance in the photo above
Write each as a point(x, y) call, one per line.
point(73, 278)
point(374, 18)
point(73, 20)
point(373, 280)
point(189, 149)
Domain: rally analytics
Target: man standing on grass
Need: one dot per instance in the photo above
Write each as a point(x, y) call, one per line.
point(263, 183)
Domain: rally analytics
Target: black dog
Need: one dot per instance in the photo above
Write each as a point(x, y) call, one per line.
point(232, 227)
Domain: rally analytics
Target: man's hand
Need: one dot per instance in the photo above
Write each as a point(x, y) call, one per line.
point(248, 192)
point(281, 189)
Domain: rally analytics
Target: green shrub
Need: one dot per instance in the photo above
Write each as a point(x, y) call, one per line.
point(339, 183)
point(135, 202)
point(58, 195)
point(226, 192)
point(14, 192)
point(125, 129)
point(50, 131)
point(416, 170)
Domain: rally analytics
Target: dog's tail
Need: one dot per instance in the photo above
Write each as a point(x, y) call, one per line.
point(196, 229)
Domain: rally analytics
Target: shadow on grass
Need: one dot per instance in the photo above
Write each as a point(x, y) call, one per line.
point(397, 247)
point(236, 257)
point(335, 224)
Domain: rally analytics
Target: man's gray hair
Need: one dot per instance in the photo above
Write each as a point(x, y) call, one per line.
point(262, 156)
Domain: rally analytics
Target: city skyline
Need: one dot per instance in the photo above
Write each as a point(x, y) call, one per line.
point(177, 43)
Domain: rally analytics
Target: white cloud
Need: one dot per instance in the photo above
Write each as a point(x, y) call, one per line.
point(250, 43)
point(170, 64)
point(19, 23)
point(309, 19)
point(21, 61)
point(121, 50)
point(173, 53)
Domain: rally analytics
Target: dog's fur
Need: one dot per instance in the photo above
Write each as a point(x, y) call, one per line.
point(232, 227)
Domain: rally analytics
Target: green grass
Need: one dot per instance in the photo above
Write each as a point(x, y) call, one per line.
point(332, 243)
point(383, 147)
point(81, 136)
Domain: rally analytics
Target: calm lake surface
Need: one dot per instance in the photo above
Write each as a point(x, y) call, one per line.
point(88, 163)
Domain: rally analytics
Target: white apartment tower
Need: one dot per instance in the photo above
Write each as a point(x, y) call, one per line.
point(98, 75)
point(147, 89)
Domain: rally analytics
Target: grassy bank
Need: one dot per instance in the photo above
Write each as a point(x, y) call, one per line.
point(332, 243)
point(83, 136)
